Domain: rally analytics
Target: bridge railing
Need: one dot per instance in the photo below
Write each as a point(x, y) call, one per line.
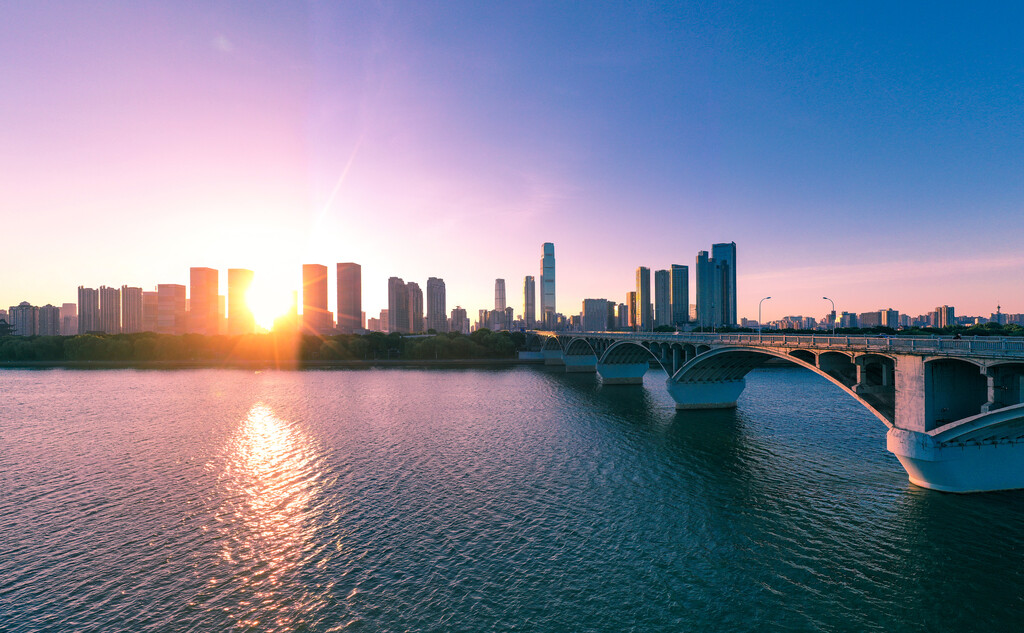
point(974, 346)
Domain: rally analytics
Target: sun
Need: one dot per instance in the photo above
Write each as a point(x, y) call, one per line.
point(268, 304)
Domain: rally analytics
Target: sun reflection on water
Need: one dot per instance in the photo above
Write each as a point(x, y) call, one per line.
point(268, 526)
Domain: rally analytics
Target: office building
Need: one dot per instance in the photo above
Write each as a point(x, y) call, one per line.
point(622, 317)
point(398, 305)
point(530, 302)
point(415, 307)
point(716, 286)
point(150, 308)
point(48, 320)
point(437, 313)
point(725, 265)
point(131, 310)
point(88, 310)
point(662, 298)
point(594, 317)
point(631, 302)
point(644, 311)
point(680, 294)
point(171, 313)
point(315, 317)
point(547, 286)
point(350, 297)
point(202, 306)
point(499, 294)
point(240, 318)
point(69, 319)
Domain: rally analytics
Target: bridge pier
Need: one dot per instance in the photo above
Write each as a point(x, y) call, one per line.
point(580, 363)
point(706, 395)
point(553, 357)
point(977, 466)
point(622, 373)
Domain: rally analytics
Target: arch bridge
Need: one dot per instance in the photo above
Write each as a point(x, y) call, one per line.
point(954, 408)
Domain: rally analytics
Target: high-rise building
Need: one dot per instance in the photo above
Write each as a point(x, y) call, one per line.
point(69, 319)
point(644, 311)
point(680, 294)
point(150, 310)
point(622, 316)
point(437, 318)
point(499, 294)
point(24, 318)
point(202, 308)
point(240, 318)
point(547, 286)
point(170, 312)
point(110, 310)
point(48, 321)
point(945, 316)
point(415, 307)
point(530, 302)
point(384, 320)
point(315, 317)
point(398, 305)
point(131, 309)
point(350, 297)
point(662, 298)
point(595, 315)
point(88, 310)
point(725, 263)
point(631, 302)
point(460, 322)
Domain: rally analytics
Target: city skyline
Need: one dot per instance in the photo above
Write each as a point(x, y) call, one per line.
point(845, 147)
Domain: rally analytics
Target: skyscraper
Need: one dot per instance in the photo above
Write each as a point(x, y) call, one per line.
point(460, 322)
point(499, 294)
point(131, 309)
point(645, 318)
point(350, 297)
point(202, 310)
point(398, 305)
point(680, 295)
point(415, 295)
point(110, 310)
point(631, 303)
point(240, 319)
point(437, 313)
point(170, 311)
point(530, 302)
point(709, 291)
point(315, 317)
point(662, 298)
point(725, 257)
point(88, 310)
point(547, 286)
point(716, 286)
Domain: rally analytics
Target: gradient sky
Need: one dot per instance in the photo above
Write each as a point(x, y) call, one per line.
point(871, 152)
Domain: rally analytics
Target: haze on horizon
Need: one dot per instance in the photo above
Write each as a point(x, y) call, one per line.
point(864, 151)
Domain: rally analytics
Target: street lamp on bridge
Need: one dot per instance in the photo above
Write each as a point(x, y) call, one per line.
point(759, 317)
point(833, 314)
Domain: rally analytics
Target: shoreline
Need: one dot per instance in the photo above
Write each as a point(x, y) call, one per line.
point(266, 364)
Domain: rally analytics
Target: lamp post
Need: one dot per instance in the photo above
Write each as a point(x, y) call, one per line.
point(759, 318)
point(833, 314)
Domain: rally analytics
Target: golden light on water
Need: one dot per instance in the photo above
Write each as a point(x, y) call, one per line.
point(270, 476)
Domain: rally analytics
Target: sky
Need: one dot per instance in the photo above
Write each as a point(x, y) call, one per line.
point(869, 152)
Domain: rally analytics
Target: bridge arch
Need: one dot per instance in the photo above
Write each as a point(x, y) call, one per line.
point(625, 363)
point(551, 344)
point(580, 347)
point(728, 366)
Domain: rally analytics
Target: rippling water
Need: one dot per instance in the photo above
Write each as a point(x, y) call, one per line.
point(464, 500)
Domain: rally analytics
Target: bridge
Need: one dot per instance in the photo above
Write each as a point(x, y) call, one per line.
point(954, 408)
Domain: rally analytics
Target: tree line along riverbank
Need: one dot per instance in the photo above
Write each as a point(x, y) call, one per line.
point(148, 347)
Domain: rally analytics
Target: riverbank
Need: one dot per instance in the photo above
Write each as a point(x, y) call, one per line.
point(255, 364)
